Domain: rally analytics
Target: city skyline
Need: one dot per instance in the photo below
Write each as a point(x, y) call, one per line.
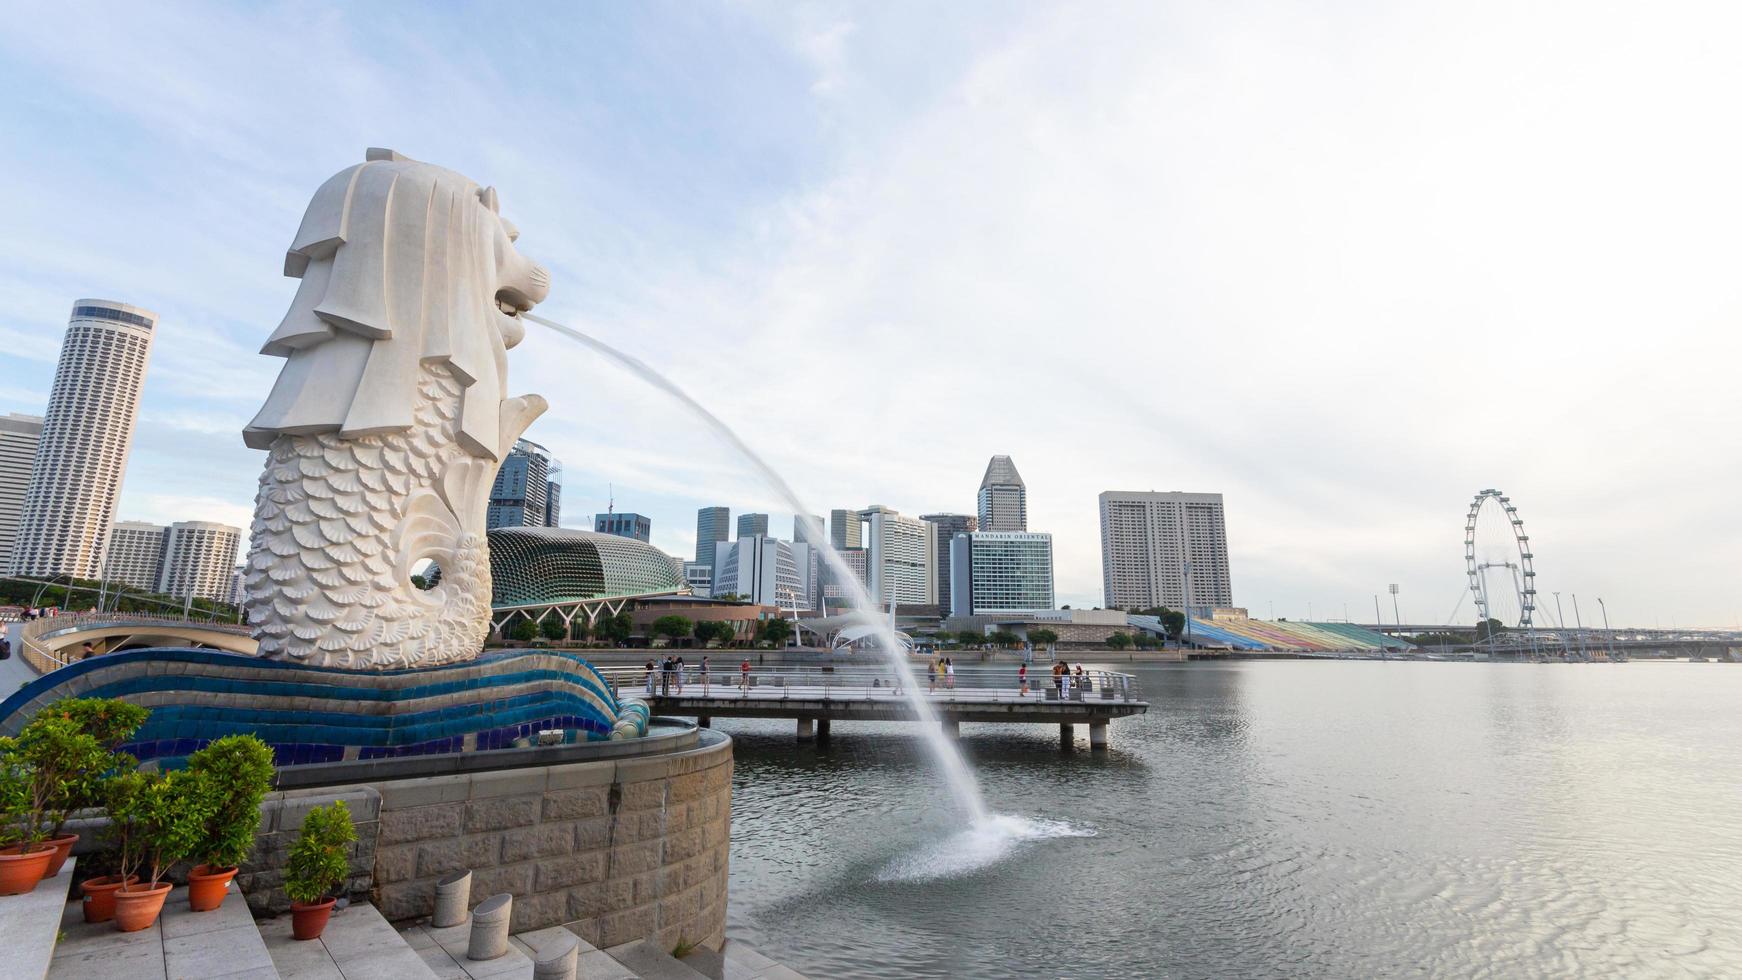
point(1345, 478)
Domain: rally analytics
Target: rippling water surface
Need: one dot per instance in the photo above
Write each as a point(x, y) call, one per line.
point(1272, 819)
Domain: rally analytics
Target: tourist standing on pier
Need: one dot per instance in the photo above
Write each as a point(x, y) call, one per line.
point(1022, 680)
point(650, 677)
point(679, 667)
point(666, 666)
point(931, 676)
point(744, 676)
point(950, 673)
point(704, 675)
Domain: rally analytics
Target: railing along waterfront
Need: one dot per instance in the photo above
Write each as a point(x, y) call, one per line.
point(27, 635)
point(860, 683)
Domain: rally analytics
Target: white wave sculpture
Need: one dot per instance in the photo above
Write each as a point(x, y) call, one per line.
point(388, 421)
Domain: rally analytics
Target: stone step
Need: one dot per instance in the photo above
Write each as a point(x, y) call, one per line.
point(357, 944)
point(649, 962)
point(443, 952)
point(180, 945)
point(737, 961)
point(593, 963)
point(29, 924)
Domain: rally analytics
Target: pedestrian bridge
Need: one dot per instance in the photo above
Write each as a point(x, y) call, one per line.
point(817, 696)
point(53, 642)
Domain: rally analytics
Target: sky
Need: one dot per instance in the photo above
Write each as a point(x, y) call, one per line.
point(1346, 264)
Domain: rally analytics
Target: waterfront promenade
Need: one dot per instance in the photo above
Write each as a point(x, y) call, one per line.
point(814, 697)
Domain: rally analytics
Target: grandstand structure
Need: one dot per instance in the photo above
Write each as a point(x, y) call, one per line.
point(1280, 636)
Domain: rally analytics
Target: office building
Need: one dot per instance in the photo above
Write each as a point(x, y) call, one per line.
point(752, 526)
point(836, 594)
point(945, 527)
point(525, 493)
point(624, 525)
point(19, 435)
point(135, 554)
point(1156, 546)
point(900, 558)
point(845, 530)
point(699, 577)
point(800, 535)
point(1000, 571)
point(713, 526)
point(764, 570)
point(199, 558)
point(1003, 497)
point(87, 433)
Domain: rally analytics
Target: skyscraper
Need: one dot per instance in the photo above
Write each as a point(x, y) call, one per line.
point(799, 535)
point(1147, 540)
point(900, 558)
point(86, 436)
point(524, 495)
point(624, 525)
point(199, 558)
point(713, 525)
point(19, 435)
point(752, 526)
point(845, 530)
point(765, 570)
point(1003, 497)
point(944, 528)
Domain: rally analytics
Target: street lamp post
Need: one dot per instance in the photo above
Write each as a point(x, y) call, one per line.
point(1394, 613)
point(1560, 625)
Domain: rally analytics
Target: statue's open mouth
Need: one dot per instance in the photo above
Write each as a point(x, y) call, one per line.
point(512, 302)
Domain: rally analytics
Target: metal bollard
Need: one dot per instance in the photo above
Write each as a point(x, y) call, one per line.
point(490, 928)
point(557, 959)
point(453, 893)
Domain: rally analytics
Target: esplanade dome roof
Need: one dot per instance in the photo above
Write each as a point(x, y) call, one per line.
point(535, 566)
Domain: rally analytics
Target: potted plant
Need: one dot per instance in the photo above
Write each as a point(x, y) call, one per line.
point(99, 891)
point(234, 773)
point(23, 856)
point(161, 819)
point(82, 761)
point(317, 865)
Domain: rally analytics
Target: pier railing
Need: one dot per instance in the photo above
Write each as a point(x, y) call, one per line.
point(858, 682)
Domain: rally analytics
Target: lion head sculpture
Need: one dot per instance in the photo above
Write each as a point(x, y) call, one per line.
point(401, 263)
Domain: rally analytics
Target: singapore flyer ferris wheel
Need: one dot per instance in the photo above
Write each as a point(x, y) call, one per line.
point(1498, 560)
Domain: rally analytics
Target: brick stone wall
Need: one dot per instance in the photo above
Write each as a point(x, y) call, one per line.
point(617, 850)
point(281, 815)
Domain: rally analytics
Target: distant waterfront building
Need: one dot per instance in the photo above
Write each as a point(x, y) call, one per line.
point(87, 432)
point(836, 595)
point(752, 526)
point(199, 558)
point(900, 557)
point(764, 570)
point(845, 530)
point(945, 527)
point(699, 577)
point(713, 526)
point(524, 494)
point(136, 554)
point(624, 525)
point(1147, 539)
point(1003, 497)
point(1000, 571)
point(19, 435)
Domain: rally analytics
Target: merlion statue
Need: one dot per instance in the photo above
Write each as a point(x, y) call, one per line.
point(389, 420)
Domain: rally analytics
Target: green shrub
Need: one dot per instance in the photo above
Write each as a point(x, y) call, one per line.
point(156, 820)
point(553, 628)
point(234, 774)
point(317, 863)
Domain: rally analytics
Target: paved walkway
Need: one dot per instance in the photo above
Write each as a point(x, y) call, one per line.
point(180, 945)
point(358, 944)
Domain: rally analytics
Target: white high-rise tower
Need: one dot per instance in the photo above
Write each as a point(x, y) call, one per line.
point(86, 435)
point(1164, 549)
point(1003, 497)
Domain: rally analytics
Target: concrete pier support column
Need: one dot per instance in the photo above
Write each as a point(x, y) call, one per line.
point(490, 928)
point(822, 729)
point(557, 959)
point(952, 728)
point(1098, 735)
point(806, 729)
point(453, 893)
point(1067, 736)
point(703, 721)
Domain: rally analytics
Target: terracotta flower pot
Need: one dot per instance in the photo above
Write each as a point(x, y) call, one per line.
point(99, 893)
point(63, 849)
point(19, 872)
point(307, 921)
point(137, 906)
point(207, 887)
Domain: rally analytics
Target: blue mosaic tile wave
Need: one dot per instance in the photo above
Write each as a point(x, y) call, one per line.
point(314, 714)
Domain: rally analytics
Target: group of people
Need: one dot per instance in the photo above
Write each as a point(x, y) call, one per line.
point(1062, 678)
point(668, 674)
point(943, 671)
